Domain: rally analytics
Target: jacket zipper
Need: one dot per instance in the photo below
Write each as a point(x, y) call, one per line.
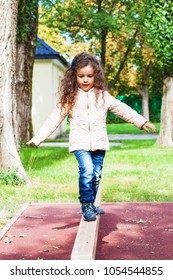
point(89, 127)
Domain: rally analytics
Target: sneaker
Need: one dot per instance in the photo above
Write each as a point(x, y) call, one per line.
point(98, 210)
point(88, 212)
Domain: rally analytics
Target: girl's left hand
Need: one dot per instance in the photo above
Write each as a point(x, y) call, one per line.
point(150, 126)
point(30, 143)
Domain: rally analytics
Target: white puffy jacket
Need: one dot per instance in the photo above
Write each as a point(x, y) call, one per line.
point(88, 121)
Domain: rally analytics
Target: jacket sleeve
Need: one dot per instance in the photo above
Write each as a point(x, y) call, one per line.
point(49, 126)
point(124, 111)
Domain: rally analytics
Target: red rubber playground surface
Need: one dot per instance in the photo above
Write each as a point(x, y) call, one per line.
point(127, 231)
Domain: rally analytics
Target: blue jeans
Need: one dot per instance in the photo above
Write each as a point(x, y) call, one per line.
point(90, 169)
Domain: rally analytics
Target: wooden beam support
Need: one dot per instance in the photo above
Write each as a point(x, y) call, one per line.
point(85, 244)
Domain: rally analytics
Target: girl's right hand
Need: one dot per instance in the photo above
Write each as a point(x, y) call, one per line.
point(150, 126)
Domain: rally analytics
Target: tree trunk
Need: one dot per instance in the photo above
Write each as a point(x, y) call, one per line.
point(166, 130)
point(25, 54)
point(144, 91)
point(103, 48)
point(145, 100)
point(23, 98)
point(9, 157)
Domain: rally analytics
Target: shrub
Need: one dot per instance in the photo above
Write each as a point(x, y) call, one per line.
point(10, 178)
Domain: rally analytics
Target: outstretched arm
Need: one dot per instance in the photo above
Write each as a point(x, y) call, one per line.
point(48, 127)
point(126, 113)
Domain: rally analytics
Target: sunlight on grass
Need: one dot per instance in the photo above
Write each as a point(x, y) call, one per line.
point(136, 171)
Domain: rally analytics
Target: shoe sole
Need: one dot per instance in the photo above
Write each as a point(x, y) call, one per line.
point(87, 220)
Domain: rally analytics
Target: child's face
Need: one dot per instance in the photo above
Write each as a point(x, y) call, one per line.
point(85, 77)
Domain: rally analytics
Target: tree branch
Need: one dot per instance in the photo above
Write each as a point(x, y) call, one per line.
point(138, 90)
point(122, 63)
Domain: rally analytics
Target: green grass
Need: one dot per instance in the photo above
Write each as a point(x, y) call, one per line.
point(127, 128)
point(139, 171)
point(136, 171)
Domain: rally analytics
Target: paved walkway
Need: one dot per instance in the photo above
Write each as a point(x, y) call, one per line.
point(110, 136)
point(132, 136)
point(127, 231)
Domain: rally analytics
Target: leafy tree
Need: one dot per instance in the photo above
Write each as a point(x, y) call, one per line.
point(143, 59)
point(56, 40)
point(95, 22)
point(160, 35)
point(114, 30)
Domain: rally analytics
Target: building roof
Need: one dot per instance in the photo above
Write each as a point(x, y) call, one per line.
point(44, 51)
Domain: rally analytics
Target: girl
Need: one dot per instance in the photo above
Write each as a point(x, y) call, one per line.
point(85, 99)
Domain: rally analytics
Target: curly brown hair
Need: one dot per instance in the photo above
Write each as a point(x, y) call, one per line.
point(69, 85)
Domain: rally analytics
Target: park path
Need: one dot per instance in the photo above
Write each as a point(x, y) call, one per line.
point(127, 231)
point(117, 137)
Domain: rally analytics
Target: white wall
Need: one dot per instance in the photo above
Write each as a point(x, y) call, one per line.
point(46, 78)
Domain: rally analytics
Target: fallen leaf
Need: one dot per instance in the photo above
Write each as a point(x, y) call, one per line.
point(141, 221)
point(23, 235)
point(169, 229)
point(136, 221)
point(7, 240)
point(9, 236)
point(54, 247)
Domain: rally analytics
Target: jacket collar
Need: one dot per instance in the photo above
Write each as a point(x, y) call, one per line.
point(86, 92)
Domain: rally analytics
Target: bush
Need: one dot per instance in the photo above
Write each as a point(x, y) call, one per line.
point(10, 178)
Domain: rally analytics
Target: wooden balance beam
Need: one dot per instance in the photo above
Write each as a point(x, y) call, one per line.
point(85, 244)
